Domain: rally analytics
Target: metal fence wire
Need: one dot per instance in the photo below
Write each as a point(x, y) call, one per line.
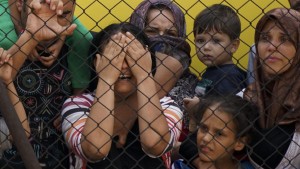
point(149, 84)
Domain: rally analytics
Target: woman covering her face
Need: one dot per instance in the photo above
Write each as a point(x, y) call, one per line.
point(124, 123)
point(277, 87)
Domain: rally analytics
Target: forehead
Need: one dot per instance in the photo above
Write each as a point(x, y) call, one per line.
point(165, 12)
point(214, 112)
point(271, 26)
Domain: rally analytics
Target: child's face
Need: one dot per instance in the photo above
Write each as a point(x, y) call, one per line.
point(275, 49)
point(215, 48)
point(48, 51)
point(216, 138)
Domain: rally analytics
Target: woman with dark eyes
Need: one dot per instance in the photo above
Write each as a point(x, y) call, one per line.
point(277, 90)
point(164, 23)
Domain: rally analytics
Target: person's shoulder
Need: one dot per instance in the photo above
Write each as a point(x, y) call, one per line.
point(180, 164)
point(246, 165)
point(233, 69)
point(84, 97)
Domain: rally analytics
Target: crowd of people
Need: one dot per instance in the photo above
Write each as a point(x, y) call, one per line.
point(125, 98)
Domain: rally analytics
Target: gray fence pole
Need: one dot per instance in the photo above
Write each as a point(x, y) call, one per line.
point(16, 130)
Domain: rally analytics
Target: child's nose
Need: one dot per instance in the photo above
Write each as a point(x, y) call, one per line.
point(207, 137)
point(206, 46)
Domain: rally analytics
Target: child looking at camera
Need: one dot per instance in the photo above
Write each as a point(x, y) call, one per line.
point(224, 127)
point(217, 30)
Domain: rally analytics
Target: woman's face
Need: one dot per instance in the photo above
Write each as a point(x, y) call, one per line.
point(160, 22)
point(275, 49)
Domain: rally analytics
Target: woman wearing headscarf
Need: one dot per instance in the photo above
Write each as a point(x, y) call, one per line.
point(164, 23)
point(277, 90)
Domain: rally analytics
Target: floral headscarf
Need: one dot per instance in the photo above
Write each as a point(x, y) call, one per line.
point(139, 16)
point(279, 97)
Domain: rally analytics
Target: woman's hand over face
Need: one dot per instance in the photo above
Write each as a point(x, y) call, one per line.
point(109, 65)
point(138, 58)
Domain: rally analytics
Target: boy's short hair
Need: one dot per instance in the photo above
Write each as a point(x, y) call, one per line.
point(220, 18)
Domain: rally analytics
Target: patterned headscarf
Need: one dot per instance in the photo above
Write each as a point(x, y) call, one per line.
point(279, 97)
point(161, 43)
point(139, 16)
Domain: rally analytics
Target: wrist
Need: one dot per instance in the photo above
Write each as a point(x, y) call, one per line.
point(145, 77)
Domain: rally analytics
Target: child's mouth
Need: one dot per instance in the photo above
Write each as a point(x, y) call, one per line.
point(44, 53)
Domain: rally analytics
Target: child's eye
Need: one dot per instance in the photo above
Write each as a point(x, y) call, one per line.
point(219, 133)
point(215, 40)
point(200, 40)
point(202, 128)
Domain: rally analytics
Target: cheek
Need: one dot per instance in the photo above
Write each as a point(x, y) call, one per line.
point(289, 54)
point(261, 48)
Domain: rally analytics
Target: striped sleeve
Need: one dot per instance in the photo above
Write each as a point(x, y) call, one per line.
point(174, 117)
point(75, 111)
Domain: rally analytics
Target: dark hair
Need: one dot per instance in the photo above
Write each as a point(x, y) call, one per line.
point(102, 38)
point(220, 18)
point(244, 113)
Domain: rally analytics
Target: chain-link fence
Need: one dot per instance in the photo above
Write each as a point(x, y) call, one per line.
point(150, 84)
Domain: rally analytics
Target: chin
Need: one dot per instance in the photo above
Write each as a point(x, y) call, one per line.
point(124, 91)
point(205, 158)
point(47, 64)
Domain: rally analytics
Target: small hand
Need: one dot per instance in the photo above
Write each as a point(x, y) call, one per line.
point(5, 66)
point(56, 5)
point(190, 103)
point(43, 23)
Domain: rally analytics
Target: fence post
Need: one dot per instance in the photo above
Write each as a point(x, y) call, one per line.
point(15, 127)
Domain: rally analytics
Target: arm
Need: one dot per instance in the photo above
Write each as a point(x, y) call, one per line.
point(5, 75)
point(169, 67)
point(15, 7)
point(98, 130)
point(153, 126)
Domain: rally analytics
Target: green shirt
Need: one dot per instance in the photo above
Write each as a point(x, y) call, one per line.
point(78, 62)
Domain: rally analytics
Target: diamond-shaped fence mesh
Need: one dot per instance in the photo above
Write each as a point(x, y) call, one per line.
point(150, 84)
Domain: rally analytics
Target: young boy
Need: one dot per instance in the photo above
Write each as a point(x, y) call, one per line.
point(78, 63)
point(216, 30)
